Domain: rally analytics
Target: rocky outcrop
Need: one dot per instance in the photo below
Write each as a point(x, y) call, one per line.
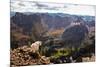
point(75, 34)
point(25, 55)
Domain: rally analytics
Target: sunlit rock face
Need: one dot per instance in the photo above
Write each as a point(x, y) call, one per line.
point(75, 34)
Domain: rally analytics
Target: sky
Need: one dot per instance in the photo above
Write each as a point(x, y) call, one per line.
point(51, 7)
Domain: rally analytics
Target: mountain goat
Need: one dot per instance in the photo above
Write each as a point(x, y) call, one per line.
point(35, 46)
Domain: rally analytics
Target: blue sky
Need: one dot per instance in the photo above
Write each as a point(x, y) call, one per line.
point(51, 7)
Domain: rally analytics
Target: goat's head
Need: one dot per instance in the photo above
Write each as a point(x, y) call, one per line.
point(39, 43)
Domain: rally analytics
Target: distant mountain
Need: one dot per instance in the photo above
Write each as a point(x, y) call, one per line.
point(56, 20)
point(35, 25)
point(26, 21)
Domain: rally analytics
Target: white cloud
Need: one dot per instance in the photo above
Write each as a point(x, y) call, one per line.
point(36, 6)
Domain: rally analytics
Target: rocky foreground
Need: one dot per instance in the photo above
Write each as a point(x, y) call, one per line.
point(23, 56)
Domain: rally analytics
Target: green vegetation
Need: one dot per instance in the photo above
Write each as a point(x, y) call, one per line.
point(61, 52)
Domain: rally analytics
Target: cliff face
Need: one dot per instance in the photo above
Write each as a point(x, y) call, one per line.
point(26, 22)
point(75, 34)
point(33, 26)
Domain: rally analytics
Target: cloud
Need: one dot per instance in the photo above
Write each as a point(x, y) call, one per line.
point(34, 6)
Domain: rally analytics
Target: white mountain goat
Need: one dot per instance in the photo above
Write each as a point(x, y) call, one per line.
point(35, 46)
